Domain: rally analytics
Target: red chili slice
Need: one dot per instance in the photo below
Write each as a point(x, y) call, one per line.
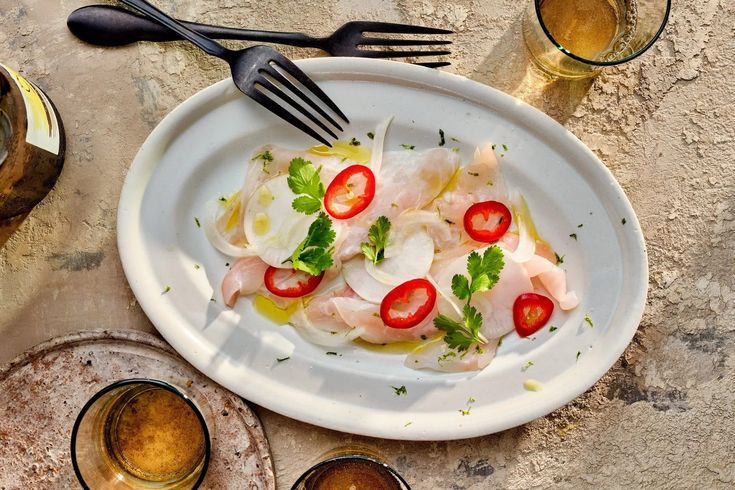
point(487, 221)
point(351, 191)
point(407, 304)
point(290, 283)
point(531, 311)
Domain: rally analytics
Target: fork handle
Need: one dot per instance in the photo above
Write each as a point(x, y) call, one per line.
point(108, 25)
point(206, 44)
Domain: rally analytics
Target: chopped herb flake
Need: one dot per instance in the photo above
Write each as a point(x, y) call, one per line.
point(408, 147)
point(474, 174)
point(196, 220)
point(553, 328)
point(573, 235)
point(623, 221)
point(197, 266)
point(400, 390)
point(407, 424)
point(465, 412)
point(527, 365)
point(455, 149)
point(589, 320)
point(423, 337)
point(455, 140)
point(559, 258)
point(580, 225)
point(166, 290)
point(371, 135)
point(281, 359)
point(448, 221)
point(578, 354)
point(354, 142)
point(493, 147)
point(267, 158)
point(331, 353)
point(222, 199)
point(505, 147)
point(442, 141)
point(471, 400)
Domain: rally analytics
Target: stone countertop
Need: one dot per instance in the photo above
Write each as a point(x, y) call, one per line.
point(664, 124)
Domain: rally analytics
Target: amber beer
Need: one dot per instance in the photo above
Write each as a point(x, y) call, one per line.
point(586, 28)
point(32, 146)
point(153, 435)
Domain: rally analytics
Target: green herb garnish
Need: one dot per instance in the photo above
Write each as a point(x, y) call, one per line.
point(408, 147)
point(331, 353)
point(589, 320)
point(580, 225)
point(166, 290)
point(527, 365)
point(354, 142)
point(303, 178)
point(378, 239)
point(559, 258)
point(573, 235)
point(623, 221)
point(267, 158)
point(400, 390)
point(314, 254)
point(442, 141)
point(196, 266)
point(455, 149)
point(578, 354)
point(484, 272)
point(553, 328)
point(371, 135)
point(474, 174)
point(196, 221)
point(281, 359)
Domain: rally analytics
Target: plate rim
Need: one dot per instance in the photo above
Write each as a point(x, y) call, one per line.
point(449, 83)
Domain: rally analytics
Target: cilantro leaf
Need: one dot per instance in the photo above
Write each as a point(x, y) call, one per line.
point(314, 254)
point(303, 178)
point(484, 270)
point(374, 250)
point(306, 204)
point(461, 335)
point(460, 286)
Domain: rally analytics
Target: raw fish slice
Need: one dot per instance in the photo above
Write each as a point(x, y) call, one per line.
point(437, 356)
point(319, 322)
point(479, 181)
point(496, 305)
point(365, 316)
point(407, 180)
point(554, 279)
point(245, 277)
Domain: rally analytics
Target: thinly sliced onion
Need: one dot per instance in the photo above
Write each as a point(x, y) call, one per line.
point(300, 321)
point(444, 295)
point(378, 143)
point(526, 230)
point(409, 256)
point(217, 239)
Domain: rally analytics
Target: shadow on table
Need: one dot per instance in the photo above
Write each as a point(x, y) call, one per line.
point(509, 68)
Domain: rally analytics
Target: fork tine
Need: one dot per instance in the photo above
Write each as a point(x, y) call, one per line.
point(400, 54)
point(374, 41)
point(264, 82)
point(285, 81)
point(276, 109)
point(433, 64)
point(366, 26)
point(307, 82)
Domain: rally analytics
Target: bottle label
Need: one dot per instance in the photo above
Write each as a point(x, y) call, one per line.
point(43, 124)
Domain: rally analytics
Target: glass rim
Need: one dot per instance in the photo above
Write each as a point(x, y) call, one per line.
point(345, 457)
point(148, 381)
point(561, 48)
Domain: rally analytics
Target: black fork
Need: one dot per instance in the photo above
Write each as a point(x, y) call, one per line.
point(108, 25)
point(258, 72)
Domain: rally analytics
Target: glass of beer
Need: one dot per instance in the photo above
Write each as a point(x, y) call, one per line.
point(350, 467)
point(140, 434)
point(576, 38)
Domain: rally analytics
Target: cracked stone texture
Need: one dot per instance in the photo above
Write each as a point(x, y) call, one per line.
point(664, 124)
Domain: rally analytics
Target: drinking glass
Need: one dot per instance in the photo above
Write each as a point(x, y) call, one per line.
point(140, 434)
point(350, 467)
point(576, 38)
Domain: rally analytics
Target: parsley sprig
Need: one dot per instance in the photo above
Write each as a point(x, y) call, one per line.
point(484, 273)
point(378, 239)
point(303, 180)
point(314, 254)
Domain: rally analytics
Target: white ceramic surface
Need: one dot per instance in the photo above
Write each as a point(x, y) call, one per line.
point(200, 151)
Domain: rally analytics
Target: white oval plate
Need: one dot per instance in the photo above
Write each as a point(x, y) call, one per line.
point(200, 151)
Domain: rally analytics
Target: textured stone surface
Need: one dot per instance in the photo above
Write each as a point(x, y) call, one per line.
point(664, 124)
